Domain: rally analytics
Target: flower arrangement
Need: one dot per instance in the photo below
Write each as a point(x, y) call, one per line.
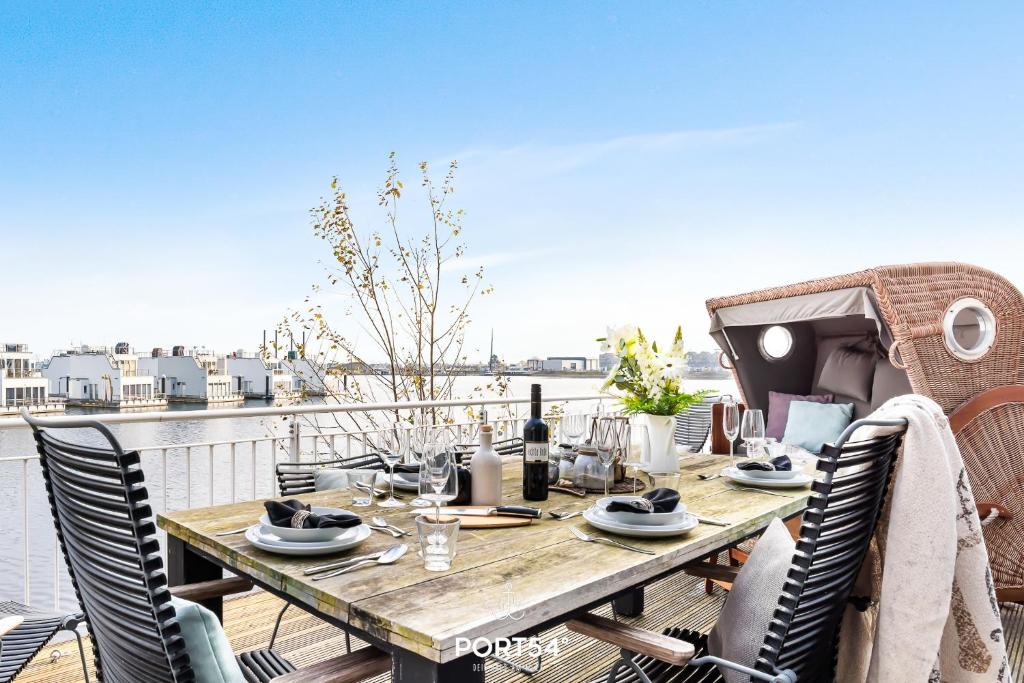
point(651, 378)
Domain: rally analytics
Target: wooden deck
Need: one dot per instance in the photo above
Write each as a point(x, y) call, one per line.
point(679, 601)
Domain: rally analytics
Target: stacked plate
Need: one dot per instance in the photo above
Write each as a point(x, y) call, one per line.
point(640, 524)
point(406, 481)
point(768, 480)
point(288, 541)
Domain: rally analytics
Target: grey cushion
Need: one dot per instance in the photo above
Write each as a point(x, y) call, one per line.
point(848, 372)
point(328, 478)
point(208, 648)
point(889, 382)
point(743, 622)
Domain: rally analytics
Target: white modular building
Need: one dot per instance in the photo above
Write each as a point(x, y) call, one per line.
point(192, 377)
point(102, 377)
point(22, 384)
point(255, 377)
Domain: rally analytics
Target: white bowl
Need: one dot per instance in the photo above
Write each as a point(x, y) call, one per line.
point(643, 518)
point(306, 535)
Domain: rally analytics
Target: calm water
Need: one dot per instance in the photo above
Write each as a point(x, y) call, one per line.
point(169, 488)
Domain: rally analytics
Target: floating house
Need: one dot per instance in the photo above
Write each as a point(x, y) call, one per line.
point(192, 377)
point(22, 384)
point(255, 377)
point(103, 378)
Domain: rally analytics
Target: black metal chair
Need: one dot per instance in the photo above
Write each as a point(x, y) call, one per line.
point(511, 446)
point(19, 645)
point(106, 532)
point(801, 641)
point(294, 478)
point(694, 424)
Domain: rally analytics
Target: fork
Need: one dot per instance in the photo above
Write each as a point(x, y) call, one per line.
point(753, 490)
point(565, 515)
point(597, 539)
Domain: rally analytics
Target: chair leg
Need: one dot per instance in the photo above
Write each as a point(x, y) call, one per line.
point(626, 660)
point(81, 655)
point(277, 625)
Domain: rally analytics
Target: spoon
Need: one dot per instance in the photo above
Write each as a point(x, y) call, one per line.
point(565, 515)
point(389, 557)
point(708, 477)
point(380, 521)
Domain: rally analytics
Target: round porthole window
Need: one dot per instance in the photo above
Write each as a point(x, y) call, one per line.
point(968, 329)
point(776, 342)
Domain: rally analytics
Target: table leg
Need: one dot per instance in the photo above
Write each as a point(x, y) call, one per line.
point(184, 565)
point(412, 668)
point(630, 604)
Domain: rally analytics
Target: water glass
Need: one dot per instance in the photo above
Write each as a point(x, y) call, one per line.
point(752, 431)
point(361, 483)
point(664, 480)
point(573, 426)
point(392, 444)
point(438, 540)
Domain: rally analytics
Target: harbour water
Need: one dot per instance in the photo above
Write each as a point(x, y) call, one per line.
point(171, 481)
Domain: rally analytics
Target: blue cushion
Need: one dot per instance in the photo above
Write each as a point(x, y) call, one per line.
point(208, 648)
point(812, 425)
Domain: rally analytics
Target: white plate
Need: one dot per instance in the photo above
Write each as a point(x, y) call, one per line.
point(306, 535)
point(600, 519)
point(349, 538)
point(642, 518)
point(403, 484)
point(740, 477)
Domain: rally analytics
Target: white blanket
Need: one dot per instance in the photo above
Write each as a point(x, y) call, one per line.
point(934, 615)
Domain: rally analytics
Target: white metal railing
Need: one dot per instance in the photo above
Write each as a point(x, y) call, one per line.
point(185, 475)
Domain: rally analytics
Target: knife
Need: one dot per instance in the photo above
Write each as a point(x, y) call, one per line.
point(510, 510)
point(344, 563)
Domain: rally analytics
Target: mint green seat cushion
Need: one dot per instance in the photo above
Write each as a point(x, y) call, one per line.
point(812, 425)
point(208, 648)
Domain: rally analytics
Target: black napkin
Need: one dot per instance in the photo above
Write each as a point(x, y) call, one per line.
point(779, 464)
point(281, 514)
point(407, 468)
point(658, 500)
point(465, 493)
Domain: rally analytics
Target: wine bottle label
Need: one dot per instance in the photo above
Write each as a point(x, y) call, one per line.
point(536, 452)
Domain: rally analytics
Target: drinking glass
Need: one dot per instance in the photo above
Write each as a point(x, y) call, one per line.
point(664, 480)
point(391, 444)
point(731, 423)
point(361, 497)
point(419, 436)
point(607, 446)
point(752, 431)
point(633, 456)
point(573, 426)
point(438, 539)
point(439, 479)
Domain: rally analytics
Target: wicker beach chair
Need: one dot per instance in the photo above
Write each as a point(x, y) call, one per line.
point(949, 331)
point(802, 639)
point(106, 533)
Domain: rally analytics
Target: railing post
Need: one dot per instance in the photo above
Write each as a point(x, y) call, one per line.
point(295, 454)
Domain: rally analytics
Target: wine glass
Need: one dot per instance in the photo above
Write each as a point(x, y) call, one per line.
point(439, 479)
point(752, 431)
point(391, 444)
point(607, 446)
point(573, 426)
point(731, 423)
point(634, 456)
point(419, 437)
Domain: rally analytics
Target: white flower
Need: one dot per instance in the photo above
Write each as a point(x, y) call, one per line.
point(619, 337)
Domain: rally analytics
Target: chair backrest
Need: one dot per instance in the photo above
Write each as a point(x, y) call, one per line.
point(835, 533)
point(694, 424)
point(106, 533)
point(512, 446)
point(294, 478)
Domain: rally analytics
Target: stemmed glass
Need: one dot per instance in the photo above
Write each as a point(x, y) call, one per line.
point(731, 423)
point(439, 478)
point(573, 426)
point(607, 446)
point(391, 444)
point(636, 462)
point(752, 431)
point(419, 437)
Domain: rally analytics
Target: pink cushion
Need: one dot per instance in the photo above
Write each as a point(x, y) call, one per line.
point(778, 410)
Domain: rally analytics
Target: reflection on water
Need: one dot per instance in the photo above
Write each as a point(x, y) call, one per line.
point(169, 489)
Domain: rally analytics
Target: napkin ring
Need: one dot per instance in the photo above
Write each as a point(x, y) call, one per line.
point(645, 505)
point(299, 518)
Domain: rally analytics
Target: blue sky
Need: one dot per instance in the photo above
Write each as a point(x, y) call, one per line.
point(620, 162)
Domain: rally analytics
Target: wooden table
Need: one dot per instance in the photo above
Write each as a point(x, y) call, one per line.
point(418, 615)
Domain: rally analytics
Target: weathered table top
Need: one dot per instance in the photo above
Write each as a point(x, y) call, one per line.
point(547, 570)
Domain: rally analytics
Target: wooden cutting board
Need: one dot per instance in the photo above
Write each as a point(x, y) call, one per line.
point(490, 522)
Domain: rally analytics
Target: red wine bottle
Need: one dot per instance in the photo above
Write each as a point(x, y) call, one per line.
point(535, 452)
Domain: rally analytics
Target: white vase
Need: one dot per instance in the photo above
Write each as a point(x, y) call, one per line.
point(659, 446)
